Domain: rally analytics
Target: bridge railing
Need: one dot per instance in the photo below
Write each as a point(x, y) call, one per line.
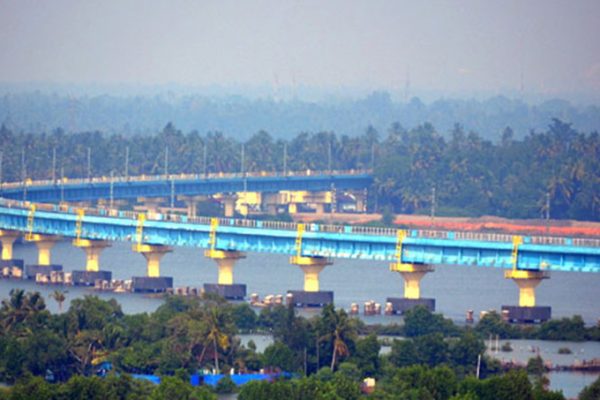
point(291, 226)
point(176, 177)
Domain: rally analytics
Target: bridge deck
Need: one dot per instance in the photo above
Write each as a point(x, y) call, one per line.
point(182, 184)
point(366, 243)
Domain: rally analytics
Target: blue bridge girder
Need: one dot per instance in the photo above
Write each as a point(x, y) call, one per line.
point(364, 243)
point(188, 185)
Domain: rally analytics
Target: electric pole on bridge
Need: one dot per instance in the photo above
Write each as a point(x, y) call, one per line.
point(62, 184)
point(54, 165)
point(127, 163)
point(172, 194)
point(285, 159)
point(204, 154)
point(547, 212)
point(112, 189)
point(166, 162)
point(243, 156)
point(23, 168)
point(1, 159)
point(329, 156)
point(23, 174)
point(432, 204)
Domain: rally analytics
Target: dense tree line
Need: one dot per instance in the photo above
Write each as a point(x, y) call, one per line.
point(471, 176)
point(240, 116)
point(57, 356)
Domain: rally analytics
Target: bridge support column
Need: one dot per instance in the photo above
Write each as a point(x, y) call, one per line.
point(412, 274)
point(526, 311)
point(92, 249)
point(8, 265)
point(320, 208)
point(152, 282)
point(229, 205)
point(292, 208)
point(44, 243)
point(225, 262)
point(311, 296)
point(7, 238)
point(269, 203)
point(191, 203)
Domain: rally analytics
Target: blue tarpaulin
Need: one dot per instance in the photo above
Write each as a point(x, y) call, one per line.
point(239, 379)
point(213, 379)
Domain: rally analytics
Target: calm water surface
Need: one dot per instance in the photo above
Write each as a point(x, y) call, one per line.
point(456, 289)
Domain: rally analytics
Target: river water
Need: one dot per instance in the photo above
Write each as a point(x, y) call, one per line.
point(456, 289)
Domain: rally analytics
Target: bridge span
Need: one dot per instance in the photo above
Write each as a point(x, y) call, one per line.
point(237, 191)
point(412, 253)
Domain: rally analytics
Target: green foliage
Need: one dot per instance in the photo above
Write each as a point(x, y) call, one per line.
point(404, 353)
point(349, 370)
point(571, 329)
point(92, 313)
point(420, 321)
point(244, 317)
point(472, 175)
point(279, 355)
point(512, 386)
point(535, 366)
point(465, 350)
point(259, 390)
point(32, 388)
point(591, 392)
point(492, 324)
point(187, 335)
point(225, 385)
point(171, 388)
point(336, 387)
point(202, 393)
point(432, 349)
point(366, 356)
point(437, 383)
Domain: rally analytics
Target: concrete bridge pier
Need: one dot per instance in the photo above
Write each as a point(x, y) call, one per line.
point(412, 274)
point(527, 311)
point(44, 243)
point(311, 296)
point(152, 282)
point(270, 203)
point(229, 201)
point(191, 203)
point(8, 265)
point(225, 262)
point(92, 272)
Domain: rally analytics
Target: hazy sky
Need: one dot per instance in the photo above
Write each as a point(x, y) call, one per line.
point(446, 46)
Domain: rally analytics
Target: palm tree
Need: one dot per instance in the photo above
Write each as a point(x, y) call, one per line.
point(83, 347)
point(338, 330)
point(20, 308)
point(14, 310)
point(340, 335)
point(60, 298)
point(216, 321)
